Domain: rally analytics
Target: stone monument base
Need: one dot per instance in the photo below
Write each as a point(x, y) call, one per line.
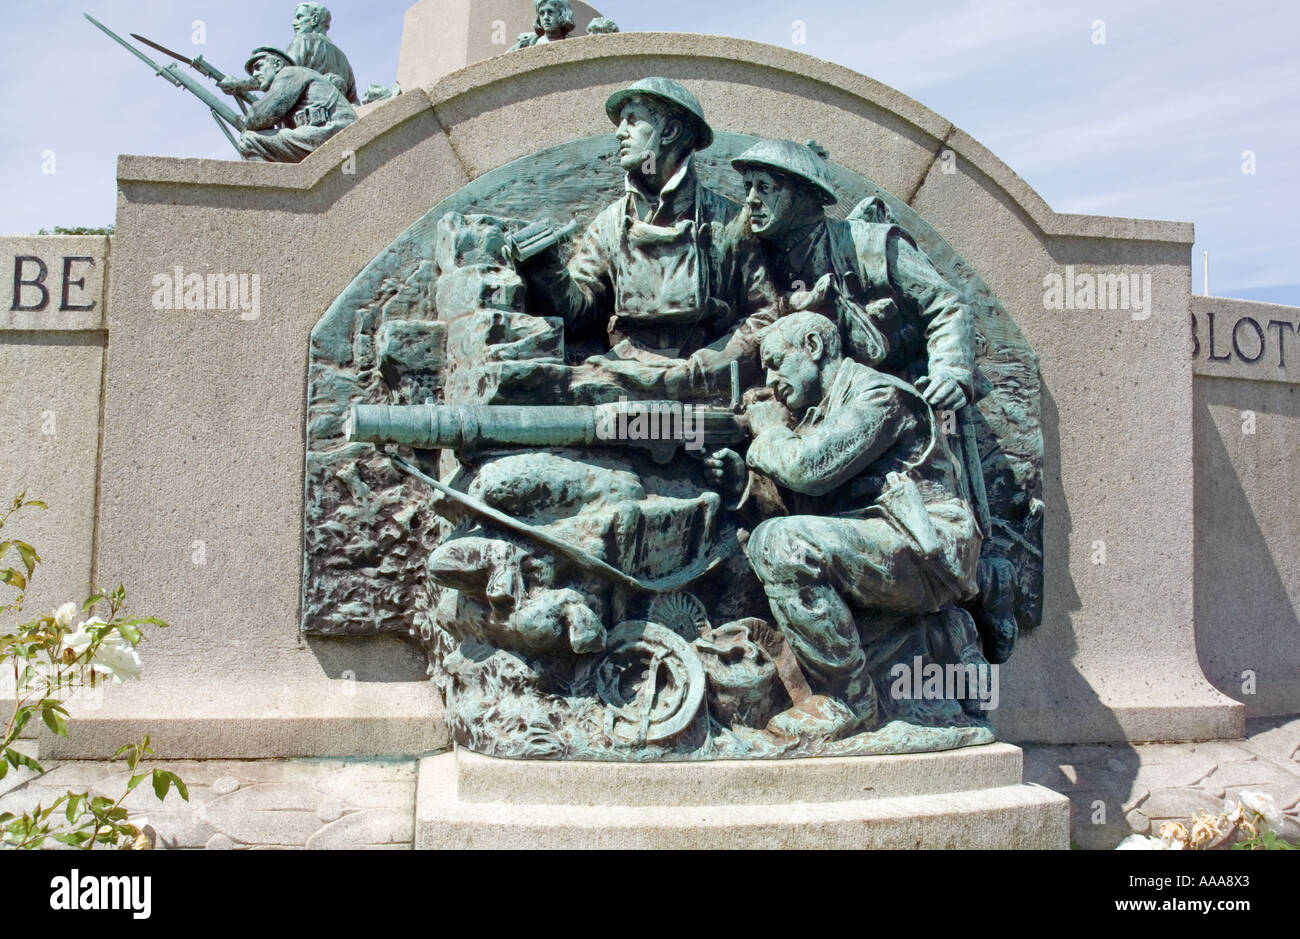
point(968, 798)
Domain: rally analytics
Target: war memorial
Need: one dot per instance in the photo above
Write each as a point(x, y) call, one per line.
point(648, 440)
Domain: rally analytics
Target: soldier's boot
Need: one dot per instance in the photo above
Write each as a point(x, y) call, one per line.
point(823, 635)
point(816, 717)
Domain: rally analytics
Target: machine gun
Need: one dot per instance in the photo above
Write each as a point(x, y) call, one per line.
point(662, 427)
point(449, 427)
point(172, 73)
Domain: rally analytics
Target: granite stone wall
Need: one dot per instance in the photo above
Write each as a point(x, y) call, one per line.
point(1246, 419)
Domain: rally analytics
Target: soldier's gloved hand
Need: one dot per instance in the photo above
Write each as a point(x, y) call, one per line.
point(233, 85)
point(819, 297)
point(942, 393)
point(726, 469)
point(766, 414)
point(631, 374)
point(538, 241)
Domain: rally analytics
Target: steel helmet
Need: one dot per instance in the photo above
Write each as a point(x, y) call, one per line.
point(793, 159)
point(261, 51)
point(665, 89)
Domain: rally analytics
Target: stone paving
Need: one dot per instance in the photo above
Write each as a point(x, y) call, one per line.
point(285, 804)
point(1116, 790)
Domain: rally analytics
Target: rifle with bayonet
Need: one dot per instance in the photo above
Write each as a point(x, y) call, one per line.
point(173, 74)
point(203, 67)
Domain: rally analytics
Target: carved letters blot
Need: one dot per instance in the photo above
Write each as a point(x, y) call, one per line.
point(26, 283)
point(1247, 340)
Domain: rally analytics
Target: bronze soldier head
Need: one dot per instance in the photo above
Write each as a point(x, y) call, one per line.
point(787, 185)
point(554, 19)
point(800, 354)
point(660, 123)
point(311, 18)
point(264, 63)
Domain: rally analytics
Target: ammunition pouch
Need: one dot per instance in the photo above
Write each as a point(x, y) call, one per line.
point(314, 115)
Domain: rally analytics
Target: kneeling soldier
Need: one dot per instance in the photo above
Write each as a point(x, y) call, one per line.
point(877, 523)
point(307, 106)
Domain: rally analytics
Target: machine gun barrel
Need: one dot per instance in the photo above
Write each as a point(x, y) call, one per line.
point(659, 426)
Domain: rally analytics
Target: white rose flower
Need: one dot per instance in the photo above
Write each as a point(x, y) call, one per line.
point(64, 614)
point(1261, 803)
point(115, 659)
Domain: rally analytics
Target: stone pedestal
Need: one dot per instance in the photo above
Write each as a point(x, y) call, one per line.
point(970, 798)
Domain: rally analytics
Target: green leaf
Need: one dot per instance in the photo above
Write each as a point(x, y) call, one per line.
point(74, 838)
point(29, 556)
point(4, 768)
point(161, 783)
point(180, 786)
point(4, 548)
point(129, 633)
point(92, 600)
point(135, 781)
point(37, 503)
point(17, 758)
point(13, 578)
point(54, 720)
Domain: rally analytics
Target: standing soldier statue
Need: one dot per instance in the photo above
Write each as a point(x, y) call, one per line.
point(299, 111)
point(311, 48)
point(554, 22)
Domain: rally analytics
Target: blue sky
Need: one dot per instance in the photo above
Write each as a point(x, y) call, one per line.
point(1152, 123)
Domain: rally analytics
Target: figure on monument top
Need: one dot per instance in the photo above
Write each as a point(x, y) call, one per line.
point(680, 294)
point(554, 22)
point(307, 107)
point(311, 48)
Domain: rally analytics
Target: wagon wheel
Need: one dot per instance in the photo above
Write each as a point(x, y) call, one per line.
point(651, 682)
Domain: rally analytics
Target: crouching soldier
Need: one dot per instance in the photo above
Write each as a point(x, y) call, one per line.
point(877, 523)
point(300, 110)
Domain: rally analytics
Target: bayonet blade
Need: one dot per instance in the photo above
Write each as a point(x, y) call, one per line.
point(200, 65)
point(132, 49)
point(163, 49)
